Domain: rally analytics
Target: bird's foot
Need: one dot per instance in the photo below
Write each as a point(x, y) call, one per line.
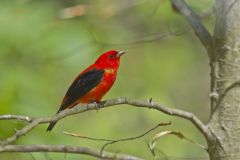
point(99, 104)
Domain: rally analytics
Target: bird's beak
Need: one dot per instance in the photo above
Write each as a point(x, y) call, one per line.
point(120, 53)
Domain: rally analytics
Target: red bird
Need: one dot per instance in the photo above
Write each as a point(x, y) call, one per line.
point(92, 83)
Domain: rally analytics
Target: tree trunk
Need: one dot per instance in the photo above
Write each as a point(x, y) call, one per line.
point(225, 83)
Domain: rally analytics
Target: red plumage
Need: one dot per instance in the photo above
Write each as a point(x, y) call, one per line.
point(93, 82)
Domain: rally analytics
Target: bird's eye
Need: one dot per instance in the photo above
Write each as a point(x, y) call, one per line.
point(111, 56)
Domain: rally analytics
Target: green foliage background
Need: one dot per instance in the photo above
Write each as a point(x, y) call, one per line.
point(41, 53)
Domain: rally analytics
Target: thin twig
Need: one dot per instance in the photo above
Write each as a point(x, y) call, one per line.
point(133, 138)
point(85, 137)
point(111, 141)
point(139, 40)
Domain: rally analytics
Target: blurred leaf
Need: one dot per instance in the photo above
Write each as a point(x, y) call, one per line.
point(152, 144)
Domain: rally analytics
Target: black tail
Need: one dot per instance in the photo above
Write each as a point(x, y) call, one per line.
point(51, 125)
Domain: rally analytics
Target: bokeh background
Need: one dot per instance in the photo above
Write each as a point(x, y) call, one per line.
point(45, 44)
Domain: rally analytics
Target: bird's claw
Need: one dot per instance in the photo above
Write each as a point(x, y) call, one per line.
point(99, 104)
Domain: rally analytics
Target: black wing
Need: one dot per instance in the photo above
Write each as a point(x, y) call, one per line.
point(81, 86)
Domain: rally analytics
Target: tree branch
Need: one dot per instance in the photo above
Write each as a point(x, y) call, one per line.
point(16, 117)
point(137, 103)
point(67, 149)
point(195, 21)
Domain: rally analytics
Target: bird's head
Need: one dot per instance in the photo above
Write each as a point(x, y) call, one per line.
point(109, 59)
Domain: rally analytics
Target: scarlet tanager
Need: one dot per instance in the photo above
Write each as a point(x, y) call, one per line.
point(92, 83)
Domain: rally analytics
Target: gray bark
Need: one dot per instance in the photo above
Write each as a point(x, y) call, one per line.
point(225, 83)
